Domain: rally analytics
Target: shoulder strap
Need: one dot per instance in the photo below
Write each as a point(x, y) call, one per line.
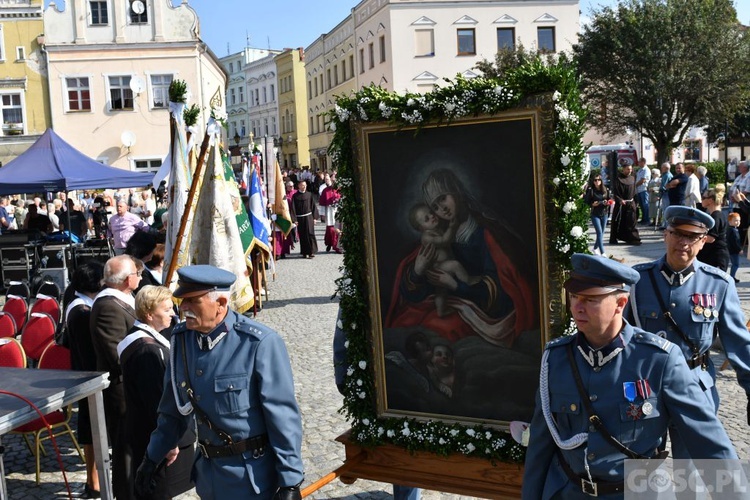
point(202, 414)
point(668, 315)
point(130, 350)
point(593, 417)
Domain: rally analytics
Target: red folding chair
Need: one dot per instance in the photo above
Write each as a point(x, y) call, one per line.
point(11, 354)
point(37, 334)
point(54, 357)
point(20, 289)
point(7, 325)
point(46, 304)
point(50, 289)
point(17, 307)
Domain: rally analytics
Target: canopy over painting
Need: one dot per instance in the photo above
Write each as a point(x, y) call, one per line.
point(51, 164)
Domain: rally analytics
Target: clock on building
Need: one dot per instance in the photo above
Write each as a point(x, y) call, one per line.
point(138, 7)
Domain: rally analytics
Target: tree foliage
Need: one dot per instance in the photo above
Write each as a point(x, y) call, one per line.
point(508, 60)
point(663, 66)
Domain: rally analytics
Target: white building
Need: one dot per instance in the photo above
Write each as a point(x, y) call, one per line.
point(411, 45)
point(110, 66)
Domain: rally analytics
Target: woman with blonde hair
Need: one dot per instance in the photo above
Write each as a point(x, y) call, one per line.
point(143, 357)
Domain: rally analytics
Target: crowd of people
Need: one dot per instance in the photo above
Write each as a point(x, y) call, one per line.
point(641, 198)
point(118, 318)
point(223, 382)
point(230, 372)
point(116, 215)
point(311, 198)
point(87, 215)
point(648, 329)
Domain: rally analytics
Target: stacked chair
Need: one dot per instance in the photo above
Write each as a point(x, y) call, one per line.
point(18, 307)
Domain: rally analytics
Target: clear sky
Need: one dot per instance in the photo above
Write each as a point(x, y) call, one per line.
point(282, 24)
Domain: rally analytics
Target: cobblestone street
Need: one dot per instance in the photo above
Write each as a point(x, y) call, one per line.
point(300, 307)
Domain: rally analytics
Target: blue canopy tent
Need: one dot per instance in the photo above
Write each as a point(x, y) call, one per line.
point(52, 165)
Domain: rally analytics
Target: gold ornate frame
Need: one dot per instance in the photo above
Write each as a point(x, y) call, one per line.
point(488, 143)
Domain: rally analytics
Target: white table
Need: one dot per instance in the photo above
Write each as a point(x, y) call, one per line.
point(52, 390)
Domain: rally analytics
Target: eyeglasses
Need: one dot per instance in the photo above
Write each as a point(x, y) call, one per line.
point(137, 273)
point(597, 180)
point(690, 239)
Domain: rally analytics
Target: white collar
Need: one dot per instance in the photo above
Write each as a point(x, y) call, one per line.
point(144, 330)
point(113, 292)
point(155, 274)
point(80, 299)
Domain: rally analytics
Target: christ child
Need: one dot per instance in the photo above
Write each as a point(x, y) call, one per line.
point(434, 233)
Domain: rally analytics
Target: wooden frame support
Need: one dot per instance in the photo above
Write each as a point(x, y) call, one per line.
point(452, 474)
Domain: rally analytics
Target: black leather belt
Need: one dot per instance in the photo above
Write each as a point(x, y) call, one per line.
point(699, 360)
point(591, 488)
point(255, 444)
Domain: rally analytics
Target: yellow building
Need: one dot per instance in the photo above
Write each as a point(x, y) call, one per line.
point(295, 143)
point(24, 96)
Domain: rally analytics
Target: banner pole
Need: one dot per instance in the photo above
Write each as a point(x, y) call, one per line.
point(188, 203)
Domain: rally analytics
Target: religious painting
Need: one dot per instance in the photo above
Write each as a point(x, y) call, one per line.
point(454, 226)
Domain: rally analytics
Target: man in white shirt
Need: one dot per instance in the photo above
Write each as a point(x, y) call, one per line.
point(739, 193)
point(642, 177)
point(149, 207)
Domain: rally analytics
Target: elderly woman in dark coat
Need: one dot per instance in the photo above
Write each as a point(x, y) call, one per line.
point(143, 357)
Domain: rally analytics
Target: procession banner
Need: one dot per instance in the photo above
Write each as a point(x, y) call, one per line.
point(280, 206)
point(260, 223)
point(216, 235)
point(179, 180)
point(243, 221)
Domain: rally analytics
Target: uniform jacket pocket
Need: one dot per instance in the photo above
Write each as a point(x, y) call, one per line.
point(232, 393)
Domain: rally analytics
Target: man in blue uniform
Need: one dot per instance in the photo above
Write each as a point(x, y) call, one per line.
point(609, 393)
point(233, 375)
point(689, 302)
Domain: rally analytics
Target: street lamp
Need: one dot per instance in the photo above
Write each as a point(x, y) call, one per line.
point(278, 142)
point(236, 138)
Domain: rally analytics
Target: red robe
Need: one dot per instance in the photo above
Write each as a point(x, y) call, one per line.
point(457, 325)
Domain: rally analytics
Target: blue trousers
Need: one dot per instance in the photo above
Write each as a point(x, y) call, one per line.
point(734, 258)
point(643, 203)
point(406, 493)
point(599, 222)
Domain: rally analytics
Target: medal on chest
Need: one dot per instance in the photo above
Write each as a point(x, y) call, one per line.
point(634, 390)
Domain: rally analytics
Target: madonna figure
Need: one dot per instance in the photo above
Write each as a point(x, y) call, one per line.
point(498, 303)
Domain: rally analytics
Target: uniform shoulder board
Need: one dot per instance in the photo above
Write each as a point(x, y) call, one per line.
point(179, 328)
point(715, 271)
point(650, 339)
point(249, 328)
point(644, 266)
point(565, 339)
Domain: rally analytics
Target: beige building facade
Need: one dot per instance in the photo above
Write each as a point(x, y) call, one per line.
point(110, 67)
point(24, 101)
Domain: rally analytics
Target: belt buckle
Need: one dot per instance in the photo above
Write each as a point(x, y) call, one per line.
point(589, 488)
point(204, 452)
point(259, 452)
